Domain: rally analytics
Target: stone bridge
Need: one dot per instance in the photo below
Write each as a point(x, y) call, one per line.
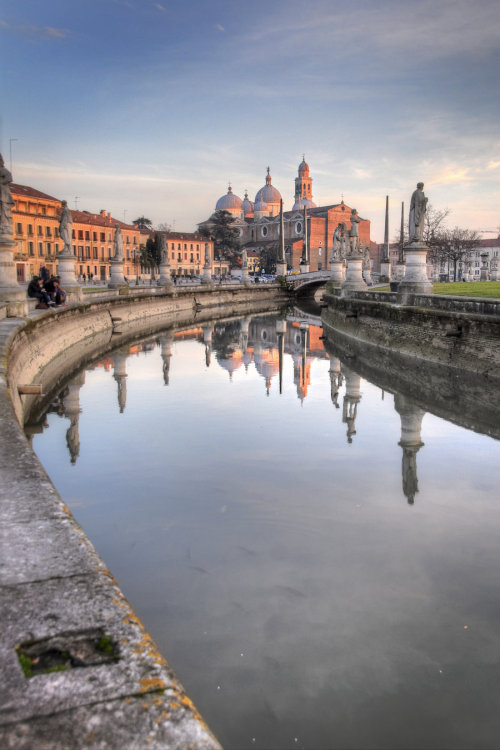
point(311, 279)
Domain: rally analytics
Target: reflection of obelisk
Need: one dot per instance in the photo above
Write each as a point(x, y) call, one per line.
point(166, 341)
point(120, 375)
point(280, 332)
point(207, 340)
point(335, 378)
point(411, 423)
point(352, 398)
point(72, 411)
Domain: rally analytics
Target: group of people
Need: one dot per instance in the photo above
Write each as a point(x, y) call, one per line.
point(47, 290)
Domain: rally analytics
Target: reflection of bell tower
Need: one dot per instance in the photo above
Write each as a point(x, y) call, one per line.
point(166, 341)
point(72, 411)
point(120, 375)
point(411, 424)
point(207, 340)
point(352, 398)
point(335, 380)
point(301, 362)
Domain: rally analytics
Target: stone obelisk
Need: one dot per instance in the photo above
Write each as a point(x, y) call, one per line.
point(385, 264)
point(399, 270)
point(304, 264)
point(281, 264)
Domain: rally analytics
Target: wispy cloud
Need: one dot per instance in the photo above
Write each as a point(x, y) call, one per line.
point(36, 32)
point(493, 165)
point(219, 27)
point(161, 8)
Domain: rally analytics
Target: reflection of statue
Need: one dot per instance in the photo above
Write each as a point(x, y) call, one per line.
point(354, 233)
point(118, 243)
point(6, 200)
point(66, 226)
point(418, 208)
point(410, 480)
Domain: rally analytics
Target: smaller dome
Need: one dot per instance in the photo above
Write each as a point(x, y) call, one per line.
point(247, 205)
point(302, 203)
point(229, 202)
point(268, 193)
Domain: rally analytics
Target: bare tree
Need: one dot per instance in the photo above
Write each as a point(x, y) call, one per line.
point(459, 245)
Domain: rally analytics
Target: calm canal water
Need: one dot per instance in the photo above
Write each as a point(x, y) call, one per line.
point(320, 566)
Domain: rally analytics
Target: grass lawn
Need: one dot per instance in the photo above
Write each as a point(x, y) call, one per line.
point(461, 289)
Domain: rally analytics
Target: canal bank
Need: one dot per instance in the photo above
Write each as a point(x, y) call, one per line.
point(78, 668)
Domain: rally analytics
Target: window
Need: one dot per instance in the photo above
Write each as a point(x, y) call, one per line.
point(264, 231)
point(40, 249)
point(30, 230)
point(103, 237)
point(94, 253)
point(74, 250)
point(80, 234)
point(19, 228)
point(94, 236)
point(135, 240)
point(109, 237)
point(128, 240)
point(87, 251)
point(102, 253)
point(39, 231)
point(56, 232)
point(31, 249)
point(109, 252)
point(48, 233)
point(49, 248)
point(173, 255)
point(56, 249)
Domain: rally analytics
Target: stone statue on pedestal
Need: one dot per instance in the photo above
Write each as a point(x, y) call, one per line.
point(6, 200)
point(354, 233)
point(337, 243)
point(418, 209)
point(118, 244)
point(163, 249)
point(367, 261)
point(66, 228)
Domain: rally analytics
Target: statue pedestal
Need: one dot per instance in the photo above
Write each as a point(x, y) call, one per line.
point(337, 272)
point(66, 270)
point(399, 272)
point(304, 268)
point(280, 269)
point(385, 271)
point(165, 277)
point(415, 280)
point(494, 272)
point(11, 293)
point(207, 276)
point(354, 280)
point(117, 280)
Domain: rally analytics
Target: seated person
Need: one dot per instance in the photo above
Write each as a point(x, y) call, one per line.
point(53, 288)
point(37, 291)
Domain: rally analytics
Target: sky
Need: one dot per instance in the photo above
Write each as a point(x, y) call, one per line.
point(151, 108)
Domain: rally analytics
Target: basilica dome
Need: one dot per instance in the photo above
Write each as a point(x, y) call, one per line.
point(247, 205)
point(268, 193)
point(229, 202)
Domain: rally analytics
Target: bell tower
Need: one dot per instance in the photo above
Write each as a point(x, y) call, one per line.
point(303, 183)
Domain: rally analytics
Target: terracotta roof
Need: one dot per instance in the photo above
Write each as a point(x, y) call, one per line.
point(102, 219)
point(30, 192)
point(490, 243)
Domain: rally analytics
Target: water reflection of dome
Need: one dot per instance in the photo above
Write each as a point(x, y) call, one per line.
point(248, 356)
point(231, 362)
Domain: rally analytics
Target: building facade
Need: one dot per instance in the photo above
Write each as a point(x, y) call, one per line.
point(258, 222)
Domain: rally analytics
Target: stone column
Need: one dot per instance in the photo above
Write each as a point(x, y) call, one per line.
point(354, 280)
point(484, 267)
point(385, 265)
point(11, 294)
point(399, 268)
point(244, 268)
point(281, 264)
point(415, 280)
point(411, 424)
point(207, 268)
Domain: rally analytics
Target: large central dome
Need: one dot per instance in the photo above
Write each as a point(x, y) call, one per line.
point(268, 193)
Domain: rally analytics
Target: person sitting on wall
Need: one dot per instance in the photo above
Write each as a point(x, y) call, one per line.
point(37, 291)
point(53, 289)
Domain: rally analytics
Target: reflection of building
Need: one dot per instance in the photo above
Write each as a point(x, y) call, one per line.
point(258, 222)
point(411, 423)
